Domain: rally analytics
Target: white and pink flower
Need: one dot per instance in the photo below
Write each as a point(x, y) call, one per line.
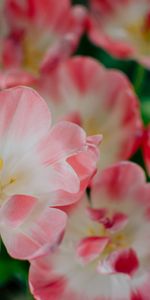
point(122, 27)
point(41, 33)
point(39, 167)
point(105, 253)
point(81, 90)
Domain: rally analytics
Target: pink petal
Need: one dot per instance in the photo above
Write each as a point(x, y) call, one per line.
point(12, 78)
point(15, 210)
point(141, 290)
point(106, 104)
point(11, 59)
point(23, 106)
point(146, 148)
point(63, 198)
point(116, 48)
point(73, 117)
point(34, 231)
point(85, 162)
point(142, 198)
point(117, 182)
point(105, 14)
point(96, 214)
point(117, 223)
point(61, 51)
point(95, 139)
point(33, 11)
point(74, 23)
point(63, 177)
point(65, 139)
point(126, 262)
point(67, 150)
point(62, 27)
point(85, 166)
point(123, 261)
point(43, 282)
point(90, 248)
point(46, 285)
point(136, 296)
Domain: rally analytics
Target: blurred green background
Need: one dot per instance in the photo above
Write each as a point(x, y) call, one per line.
point(14, 273)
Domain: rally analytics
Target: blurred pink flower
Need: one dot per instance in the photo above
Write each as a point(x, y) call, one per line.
point(105, 250)
point(81, 90)
point(122, 27)
point(40, 33)
point(39, 167)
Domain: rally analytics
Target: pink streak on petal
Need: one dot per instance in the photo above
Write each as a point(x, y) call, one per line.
point(96, 214)
point(40, 232)
point(19, 105)
point(117, 223)
point(117, 181)
point(65, 139)
point(123, 261)
point(16, 209)
point(90, 248)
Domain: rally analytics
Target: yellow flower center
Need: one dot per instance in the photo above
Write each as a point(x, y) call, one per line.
point(118, 241)
point(1, 164)
point(91, 125)
point(34, 45)
point(4, 185)
point(139, 32)
point(32, 55)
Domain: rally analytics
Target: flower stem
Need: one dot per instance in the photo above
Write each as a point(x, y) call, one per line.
point(138, 79)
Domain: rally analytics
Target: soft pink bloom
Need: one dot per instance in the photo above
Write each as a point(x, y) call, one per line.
point(146, 148)
point(39, 167)
point(82, 91)
point(41, 33)
point(122, 27)
point(106, 248)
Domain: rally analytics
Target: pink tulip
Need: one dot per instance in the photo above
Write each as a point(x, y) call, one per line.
point(40, 167)
point(105, 255)
point(122, 27)
point(40, 33)
point(81, 90)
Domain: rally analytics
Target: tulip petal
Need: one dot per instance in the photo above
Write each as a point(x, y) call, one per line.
point(19, 114)
point(123, 261)
point(33, 231)
point(90, 248)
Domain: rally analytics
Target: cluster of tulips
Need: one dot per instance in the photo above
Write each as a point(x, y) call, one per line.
point(71, 202)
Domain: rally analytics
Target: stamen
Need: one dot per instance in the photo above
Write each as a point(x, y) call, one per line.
point(12, 180)
point(92, 126)
point(1, 164)
point(117, 241)
point(32, 54)
point(91, 231)
point(6, 184)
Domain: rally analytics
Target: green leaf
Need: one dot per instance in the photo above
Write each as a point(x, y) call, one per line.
point(145, 110)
